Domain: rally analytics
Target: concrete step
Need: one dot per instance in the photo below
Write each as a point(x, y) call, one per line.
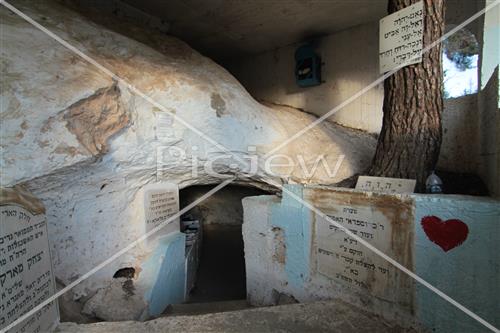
point(206, 307)
point(332, 316)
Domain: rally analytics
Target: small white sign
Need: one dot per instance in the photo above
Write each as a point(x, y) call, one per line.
point(161, 202)
point(164, 124)
point(26, 276)
point(401, 38)
point(385, 185)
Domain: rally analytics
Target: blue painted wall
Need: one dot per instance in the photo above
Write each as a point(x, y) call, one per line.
point(468, 273)
point(295, 220)
point(166, 269)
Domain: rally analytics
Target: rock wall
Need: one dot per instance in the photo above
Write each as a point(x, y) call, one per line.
point(86, 143)
point(449, 241)
point(223, 207)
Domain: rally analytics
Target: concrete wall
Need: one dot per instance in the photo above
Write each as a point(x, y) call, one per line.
point(489, 152)
point(291, 250)
point(489, 101)
point(351, 63)
point(165, 272)
point(460, 145)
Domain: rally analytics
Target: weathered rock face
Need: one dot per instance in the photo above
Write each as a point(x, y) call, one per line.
point(85, 144)
point(95, 119)
point(331, 316)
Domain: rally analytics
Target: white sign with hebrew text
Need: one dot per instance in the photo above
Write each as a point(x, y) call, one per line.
point(161, 203)
point(385, 185)
point(401, 38)
point(26, 275)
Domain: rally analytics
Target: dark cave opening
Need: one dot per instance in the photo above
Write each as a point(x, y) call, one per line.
point(220, 275)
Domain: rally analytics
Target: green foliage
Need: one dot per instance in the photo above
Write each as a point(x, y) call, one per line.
point(460, 48)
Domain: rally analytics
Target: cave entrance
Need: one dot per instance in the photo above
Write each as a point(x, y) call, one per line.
point(220, 274)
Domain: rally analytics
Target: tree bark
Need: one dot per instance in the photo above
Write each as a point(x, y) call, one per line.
point(410, 140)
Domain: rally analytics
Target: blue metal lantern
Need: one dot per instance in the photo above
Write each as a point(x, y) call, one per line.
point(307, 67)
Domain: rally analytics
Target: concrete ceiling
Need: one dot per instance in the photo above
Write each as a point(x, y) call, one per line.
point(223, 29)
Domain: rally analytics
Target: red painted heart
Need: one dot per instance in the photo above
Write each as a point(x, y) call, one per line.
point(447, 234)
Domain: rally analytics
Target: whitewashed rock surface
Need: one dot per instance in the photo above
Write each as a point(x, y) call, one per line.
point(326, 316)
point(86, 145)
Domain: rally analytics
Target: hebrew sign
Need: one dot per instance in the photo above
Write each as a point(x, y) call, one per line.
point(161, 201)
point(26, 276)
point(401, 38)
point(381, 220)
point(385, 185)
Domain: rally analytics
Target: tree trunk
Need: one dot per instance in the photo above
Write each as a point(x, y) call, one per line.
point(410, 140)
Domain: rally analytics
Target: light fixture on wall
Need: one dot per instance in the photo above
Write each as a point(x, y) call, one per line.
point(307, 66)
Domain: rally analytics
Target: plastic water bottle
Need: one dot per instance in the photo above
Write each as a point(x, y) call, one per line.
point(434, 184)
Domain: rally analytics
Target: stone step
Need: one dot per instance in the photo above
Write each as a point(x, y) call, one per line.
point(206, 307)
point(331, 316)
